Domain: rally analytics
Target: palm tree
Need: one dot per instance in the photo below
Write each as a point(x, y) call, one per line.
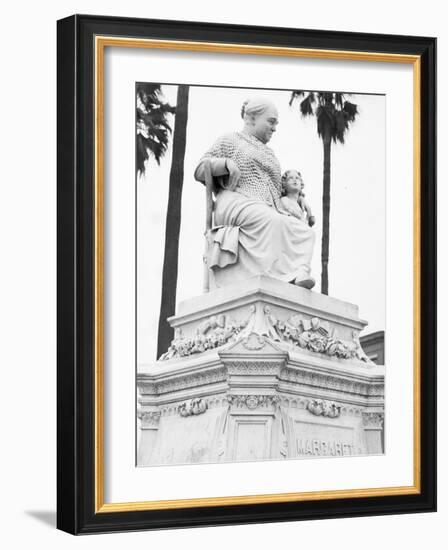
point(173, 216)
point(333, 116)
point(153, 132)
point(153, 128)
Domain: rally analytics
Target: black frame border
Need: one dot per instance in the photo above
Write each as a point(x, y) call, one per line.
point(76, 263)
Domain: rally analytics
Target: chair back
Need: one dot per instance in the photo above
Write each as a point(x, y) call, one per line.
point(208, 219)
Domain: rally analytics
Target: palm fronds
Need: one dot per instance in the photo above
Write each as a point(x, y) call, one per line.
point(152, 126)
point(332, 110)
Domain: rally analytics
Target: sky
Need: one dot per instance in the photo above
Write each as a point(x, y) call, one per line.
point(357, 216)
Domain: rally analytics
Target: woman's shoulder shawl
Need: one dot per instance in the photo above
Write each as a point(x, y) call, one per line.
point(224, 146)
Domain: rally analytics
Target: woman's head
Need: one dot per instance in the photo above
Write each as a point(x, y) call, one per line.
point(260, 118)
point(292, 182)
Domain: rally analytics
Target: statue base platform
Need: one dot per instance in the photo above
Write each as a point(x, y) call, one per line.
point(264, 370)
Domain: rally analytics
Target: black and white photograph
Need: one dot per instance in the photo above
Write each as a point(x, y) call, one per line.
point(260, 273)
point(220, 271)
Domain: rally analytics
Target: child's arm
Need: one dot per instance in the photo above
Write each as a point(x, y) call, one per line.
point(306, 207)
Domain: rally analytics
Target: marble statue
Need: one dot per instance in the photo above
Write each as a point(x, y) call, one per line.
point(252, 233)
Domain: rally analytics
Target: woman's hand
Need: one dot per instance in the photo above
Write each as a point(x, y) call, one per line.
point(234, 174)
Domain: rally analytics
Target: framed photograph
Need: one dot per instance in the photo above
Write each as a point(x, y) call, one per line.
point(246, 274)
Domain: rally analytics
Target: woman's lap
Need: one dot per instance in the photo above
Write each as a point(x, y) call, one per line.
point(269, 242)
point(234, 209)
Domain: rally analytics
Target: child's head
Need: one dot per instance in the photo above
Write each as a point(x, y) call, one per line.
point(292, 182)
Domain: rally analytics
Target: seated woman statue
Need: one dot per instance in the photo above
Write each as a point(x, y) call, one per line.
point(252, 234)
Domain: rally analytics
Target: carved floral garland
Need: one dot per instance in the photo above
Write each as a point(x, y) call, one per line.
point(311, 334)
point(193, 407)
point(321, 407)
point(212, 334)
point(316, 340)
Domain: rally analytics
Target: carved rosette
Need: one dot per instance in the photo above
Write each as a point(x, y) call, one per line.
point(193, 407)
point(149, 419)
point(321, 407)
point(254, 342)
point(373, 420)
point(253, 401)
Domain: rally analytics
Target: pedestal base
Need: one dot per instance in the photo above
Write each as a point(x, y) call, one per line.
point(263, 371)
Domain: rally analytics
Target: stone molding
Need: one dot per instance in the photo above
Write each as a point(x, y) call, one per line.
point(270, 291)
point(147, 388)
point(149, 419)
point(157, 390)
point(373, 420)
point(257, 368)
point(223, 400)
point(173, 408)
point(191, 380)
point(300, 402)
point(317, 379)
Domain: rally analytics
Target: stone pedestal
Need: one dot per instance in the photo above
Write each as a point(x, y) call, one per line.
point(265, 370)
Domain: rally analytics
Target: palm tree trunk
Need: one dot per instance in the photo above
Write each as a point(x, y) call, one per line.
point(173, 217)
point(326, 213)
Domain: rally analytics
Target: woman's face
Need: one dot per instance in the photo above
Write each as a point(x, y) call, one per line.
point(265, 124)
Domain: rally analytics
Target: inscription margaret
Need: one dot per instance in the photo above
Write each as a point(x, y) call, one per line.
point(323, 447)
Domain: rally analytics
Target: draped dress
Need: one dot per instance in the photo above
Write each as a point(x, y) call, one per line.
point(252, 233)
